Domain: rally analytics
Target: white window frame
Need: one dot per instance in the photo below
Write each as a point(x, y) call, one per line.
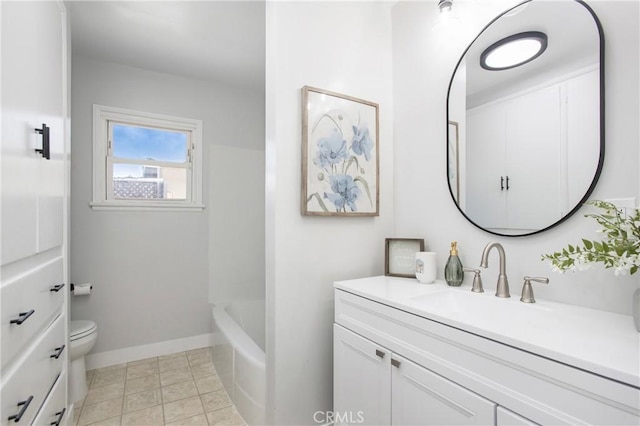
point(102, 160)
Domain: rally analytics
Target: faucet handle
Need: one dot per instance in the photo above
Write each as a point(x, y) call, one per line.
point(477, 280)
point(527, 289)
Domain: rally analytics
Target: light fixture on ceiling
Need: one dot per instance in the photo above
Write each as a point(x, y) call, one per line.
point(445, 6)
point(513, 51)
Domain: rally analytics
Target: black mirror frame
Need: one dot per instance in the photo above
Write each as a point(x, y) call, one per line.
point(598, 172)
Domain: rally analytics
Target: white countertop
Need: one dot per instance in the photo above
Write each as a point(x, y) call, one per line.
point(601, 342)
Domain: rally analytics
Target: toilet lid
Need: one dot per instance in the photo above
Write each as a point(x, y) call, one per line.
point(81, 328)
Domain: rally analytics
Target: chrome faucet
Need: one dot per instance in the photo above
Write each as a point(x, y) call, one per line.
point(503, 284)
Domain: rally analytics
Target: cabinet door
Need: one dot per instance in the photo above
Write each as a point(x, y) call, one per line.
point(533, 159)
point(33, 94)
point(361, 380)
point(506, 417)
point(421, 397)
point(20, 176)
point(51, 182)
point(486, 192)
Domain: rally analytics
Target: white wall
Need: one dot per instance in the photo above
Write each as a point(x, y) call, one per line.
point(423, 63)
point(343, 47)
point(150, 270)
point(236, 230)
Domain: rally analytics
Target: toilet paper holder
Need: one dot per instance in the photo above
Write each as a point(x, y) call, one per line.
point(73, 287)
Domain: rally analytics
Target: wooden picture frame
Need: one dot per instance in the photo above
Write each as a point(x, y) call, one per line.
point(399, 256)
point(340, 155)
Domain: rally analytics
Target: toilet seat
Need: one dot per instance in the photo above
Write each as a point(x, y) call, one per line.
point(81, 328)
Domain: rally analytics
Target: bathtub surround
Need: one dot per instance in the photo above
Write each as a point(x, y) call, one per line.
point(150, 270)
point(239, 357)
point(236, 221)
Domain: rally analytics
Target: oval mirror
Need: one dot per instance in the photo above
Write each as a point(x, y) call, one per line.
point(525, 122)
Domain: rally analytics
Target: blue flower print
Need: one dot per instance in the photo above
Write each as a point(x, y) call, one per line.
point(362, 143)
point(345, 192)
point(331, 150)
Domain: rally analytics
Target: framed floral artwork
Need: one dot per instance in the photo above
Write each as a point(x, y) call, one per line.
point(340, 161)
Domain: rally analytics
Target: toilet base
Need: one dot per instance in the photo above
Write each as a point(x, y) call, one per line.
point(77, 380)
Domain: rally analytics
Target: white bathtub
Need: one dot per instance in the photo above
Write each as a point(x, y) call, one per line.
point(238, 354)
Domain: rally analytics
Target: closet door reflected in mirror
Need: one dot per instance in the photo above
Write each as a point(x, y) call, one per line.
point(529, 146)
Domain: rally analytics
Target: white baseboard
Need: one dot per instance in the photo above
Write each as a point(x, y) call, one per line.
point(134, 353)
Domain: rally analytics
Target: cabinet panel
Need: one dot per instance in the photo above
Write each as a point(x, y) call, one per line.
point(29, 292)
point(50, 111)
point(486, 197)
point(505, 417)
point(533, 159)
point(35, 375)
point(362, 380)
point(421, 397)
point(19, 119)
point(54, 409)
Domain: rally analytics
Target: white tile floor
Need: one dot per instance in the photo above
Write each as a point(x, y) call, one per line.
point(176, 389)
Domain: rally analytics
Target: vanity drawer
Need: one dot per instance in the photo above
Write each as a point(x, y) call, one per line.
point(54, 409)
point(34, 375)
point(30, 292)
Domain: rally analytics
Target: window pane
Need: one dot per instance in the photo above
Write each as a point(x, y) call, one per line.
point(132, 181)
point(148, 143)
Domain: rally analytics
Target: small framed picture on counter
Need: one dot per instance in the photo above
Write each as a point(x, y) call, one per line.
point(399, 256)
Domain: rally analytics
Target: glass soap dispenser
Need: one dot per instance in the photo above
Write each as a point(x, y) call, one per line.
point(453, 273)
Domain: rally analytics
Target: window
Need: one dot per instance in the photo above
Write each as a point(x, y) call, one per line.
point(145, 161)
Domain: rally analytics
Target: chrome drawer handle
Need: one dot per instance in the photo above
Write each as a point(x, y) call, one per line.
point(57, 288)
point(379, 353)
point(22, 317)
point(24, 404)
point(60, 417)
point(395, 363)
point(57, 354)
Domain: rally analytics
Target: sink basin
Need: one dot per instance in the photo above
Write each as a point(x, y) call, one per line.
point(484, 310)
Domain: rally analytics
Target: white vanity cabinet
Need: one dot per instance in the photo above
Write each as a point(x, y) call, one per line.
point(395, 366)
point(379, 387)
point(33, 258)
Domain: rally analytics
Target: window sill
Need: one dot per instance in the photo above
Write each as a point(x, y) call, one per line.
point(145, 206)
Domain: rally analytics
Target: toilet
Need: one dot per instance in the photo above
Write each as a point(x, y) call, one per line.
point(83, 336)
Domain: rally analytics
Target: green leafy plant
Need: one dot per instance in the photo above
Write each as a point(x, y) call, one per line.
point(619, 248)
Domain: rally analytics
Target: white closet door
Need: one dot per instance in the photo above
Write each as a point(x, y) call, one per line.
point(361, 380)
point(50, 108)
point(20, 173)
point(533, 159)
point(485, 194)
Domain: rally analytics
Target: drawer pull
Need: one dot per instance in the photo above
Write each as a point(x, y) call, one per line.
point(22, 317)
point(60, 417)
point(58, 353)
point(395, 363)
point(46, 145)
point(24, 404)
point(57, 288)
point(379, 353)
